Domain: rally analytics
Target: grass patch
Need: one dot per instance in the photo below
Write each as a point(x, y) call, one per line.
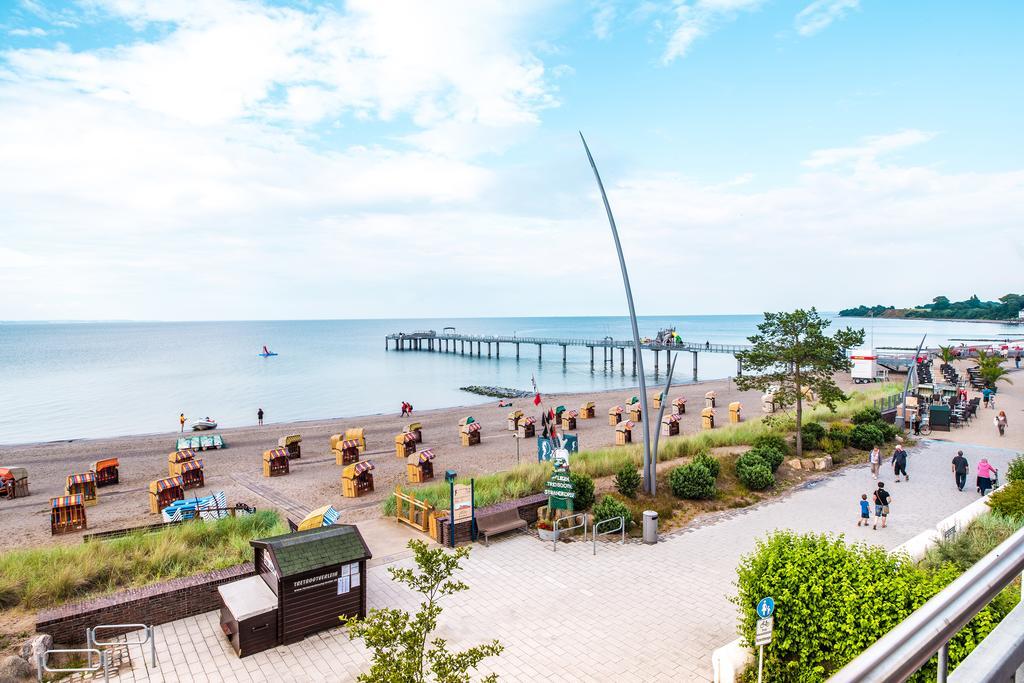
point(44, 577)
point(973, 543)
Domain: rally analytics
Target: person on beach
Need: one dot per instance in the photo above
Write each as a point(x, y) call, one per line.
point(985, 472)
point(876, 461)
point(986, 394)
point(960, 467)
point(1000, 421)
point(915, 423)
point(1016, 359)
point(707, 344)
point(882, 500)
point(405, 409)
point(181, 420)
point(865, 511)
point(899, 463)
point(259, 416)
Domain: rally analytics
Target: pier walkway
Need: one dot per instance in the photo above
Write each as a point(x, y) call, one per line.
point(449, 341)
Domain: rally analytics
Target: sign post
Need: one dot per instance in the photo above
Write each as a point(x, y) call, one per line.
point(763, 632)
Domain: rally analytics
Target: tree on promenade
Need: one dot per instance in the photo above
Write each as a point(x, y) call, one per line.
point(792, 354)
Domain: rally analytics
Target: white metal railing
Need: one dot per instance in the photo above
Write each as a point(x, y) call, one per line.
point(619, 529)
point(149, 636)
point(42, 663)
point(582, 516)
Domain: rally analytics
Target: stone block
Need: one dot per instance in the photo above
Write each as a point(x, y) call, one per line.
point(34, 647)
point(823, 463)
point(807, 463)
point(14, 669)
point(794, 463)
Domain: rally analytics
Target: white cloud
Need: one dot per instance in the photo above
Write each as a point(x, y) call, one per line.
point(867, 153)
point(34, 32)
point(820, 14)
point(604, 17)
point(693, 20)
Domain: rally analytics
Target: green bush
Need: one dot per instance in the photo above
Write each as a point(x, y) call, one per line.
point(779, 422)
point(627, 480)
point(840, 431)
point(866, 416)
point(866, 436)
point(754, 472)
point(1009, 500)
point(692, 481)
point(831, 446)
point(772, 440)
point(610, 507)
point(1015, 470)
point(812, 434)
point(772, 456)
point(889, 431)
point(583, 487)
point(709, 461)
point(816, 634)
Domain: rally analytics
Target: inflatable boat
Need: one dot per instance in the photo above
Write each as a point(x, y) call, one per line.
point(204, 424)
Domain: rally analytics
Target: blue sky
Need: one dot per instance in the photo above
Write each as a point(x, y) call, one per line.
point(278, 160)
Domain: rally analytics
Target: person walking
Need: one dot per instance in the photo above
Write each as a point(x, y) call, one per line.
point(181, 420)
point(876, 461)
point(1016, 359)
point(899, 463)
point(985, 472)
point(915, 423)
point(960, 467)
point(865, 511)
point(986, 394)
point(882, 500)
point(1001, 422)
point(405, 409)
point(259, 416)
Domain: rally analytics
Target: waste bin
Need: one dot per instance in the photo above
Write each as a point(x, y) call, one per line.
point(650, 526)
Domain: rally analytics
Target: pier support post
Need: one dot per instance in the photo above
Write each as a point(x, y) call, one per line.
point(656, 354)
point(517, 350)
point(634, 361)
point(479, 349)
point(563, 352)
point(591, 357)
point(622, 359)
point(463, 347)
point(488, 349)
point(739, 368)
point(497, 349)
point(694, 365)
point(540, 348)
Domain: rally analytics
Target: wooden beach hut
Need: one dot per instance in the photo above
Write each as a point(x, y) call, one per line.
point(163, 492)
point(416, 429)
point(345, 452)
point(67, 514)
point(420, 466)
point(357, 479)
point(405, 444)
point(106, 471)
point(292, 444)
point(359, 435)
point(734, 411)
point(656, 400)
point(709, 399)
point(13, 482)
point(527, 428)
point(670, 425)
point(624, 433)
point(615, 415)
point(275, 462)
point(679, 405)
point(176, 459)
point(588, 411)
point(192, 475)
point(569, 420)
point(707, 418)
point(514, 417)
point(469, 431)
point(636, 413)
point(83, 485)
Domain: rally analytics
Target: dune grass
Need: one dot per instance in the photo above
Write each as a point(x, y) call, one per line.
point(44, 577)
point(529, 478)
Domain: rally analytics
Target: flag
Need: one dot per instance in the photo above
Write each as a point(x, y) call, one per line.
point(536, 398)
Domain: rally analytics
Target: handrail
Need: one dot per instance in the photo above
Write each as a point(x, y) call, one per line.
point(621, 528)
point(43, 658)
point(148, 631)
point(581, 515)
point(909, 646)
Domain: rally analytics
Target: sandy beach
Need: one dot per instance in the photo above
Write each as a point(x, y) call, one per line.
point(315, 479)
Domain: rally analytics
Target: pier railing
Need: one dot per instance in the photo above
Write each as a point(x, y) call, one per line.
point(574, 341)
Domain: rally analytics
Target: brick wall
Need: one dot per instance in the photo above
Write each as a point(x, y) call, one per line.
point(527, 508)
point(156, 604)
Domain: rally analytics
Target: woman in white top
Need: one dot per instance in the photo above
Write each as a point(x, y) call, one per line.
point(876, 461)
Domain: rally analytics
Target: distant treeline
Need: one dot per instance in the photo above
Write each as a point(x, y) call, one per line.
point(1006, 308)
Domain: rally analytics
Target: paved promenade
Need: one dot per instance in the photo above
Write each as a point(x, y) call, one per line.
point(632, 613)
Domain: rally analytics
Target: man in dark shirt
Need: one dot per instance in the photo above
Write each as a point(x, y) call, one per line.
point(899, 463)
point(960, 467)
point(882, 500)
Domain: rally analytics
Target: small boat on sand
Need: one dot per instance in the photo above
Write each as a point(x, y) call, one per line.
point(204, 424)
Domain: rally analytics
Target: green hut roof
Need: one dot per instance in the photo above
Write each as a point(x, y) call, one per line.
point(306, 551)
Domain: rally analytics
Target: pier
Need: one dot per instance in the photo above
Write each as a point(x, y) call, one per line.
point(449, 341)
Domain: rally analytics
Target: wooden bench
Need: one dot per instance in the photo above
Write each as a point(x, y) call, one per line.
point(500, 522)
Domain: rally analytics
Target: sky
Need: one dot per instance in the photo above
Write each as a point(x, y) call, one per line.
point(237, 159)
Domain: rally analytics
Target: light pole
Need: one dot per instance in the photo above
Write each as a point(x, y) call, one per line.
point(515, 435)
point(649, 465)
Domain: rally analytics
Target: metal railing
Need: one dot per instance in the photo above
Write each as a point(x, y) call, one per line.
point(43, 658)
point(577, 341)
point(149, 636)
point(926, 632)
point(619, 529)
point(582, 523)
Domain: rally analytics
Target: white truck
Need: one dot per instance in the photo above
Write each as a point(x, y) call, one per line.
point(865, 366)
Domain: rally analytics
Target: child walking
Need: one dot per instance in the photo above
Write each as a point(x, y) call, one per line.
point(865, 511)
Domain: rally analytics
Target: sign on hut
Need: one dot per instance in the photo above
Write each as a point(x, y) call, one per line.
point(636, 413)
point(176, 459)
point(292, 444)
point(305, 582)
point(558, 488)
point(416, 429)
point(163, 492)
point(420, 467)
point(469, 431)
point(345, 452)
point(405, 444)
point(192, 476)
point(615, 415)
point(587, 411)
point(106, 471)
point(324, 516)
point(359, 435)
point(709, 399)
point(624, 433)
point(275, 462)
point(83, 485)
point(13, 482)
point(569, 419)
point(357, 479)
point(527, 428)
point(734, 411)
point(679, 405)
point(670, 425)
point(707, 418)
point(514, 417)
point(67, 514)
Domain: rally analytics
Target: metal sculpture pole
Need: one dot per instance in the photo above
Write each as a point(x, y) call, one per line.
point(657, 423)
point(648, 465)
point(906, 385)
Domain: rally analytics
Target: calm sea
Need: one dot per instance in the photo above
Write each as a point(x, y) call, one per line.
point(75, 380)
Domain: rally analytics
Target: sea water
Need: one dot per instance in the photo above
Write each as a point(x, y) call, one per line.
point(97, 379)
